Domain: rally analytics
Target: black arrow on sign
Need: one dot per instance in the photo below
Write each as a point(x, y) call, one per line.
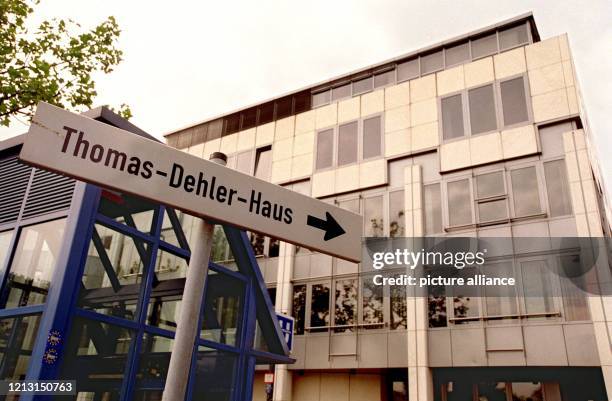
point(330, 226)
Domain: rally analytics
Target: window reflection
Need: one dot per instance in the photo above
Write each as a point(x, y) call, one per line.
point(33, 264)
point(373, 217)
point(154, 358)
point(126, 209)
point(397, 220)
point(319, 307)
point(17, 337)
point(215, 375)
point(299, 307)
point(398, 306)
point(5, 243)
point(345, 305)
point(372, 304)
point(223, 305)
point(165, 303)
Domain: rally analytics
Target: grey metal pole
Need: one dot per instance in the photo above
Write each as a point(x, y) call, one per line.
point(187, 325)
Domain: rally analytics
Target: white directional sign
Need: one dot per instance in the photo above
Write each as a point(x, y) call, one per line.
point(91, 151)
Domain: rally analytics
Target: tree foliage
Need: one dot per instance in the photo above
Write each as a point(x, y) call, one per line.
point(51, 63)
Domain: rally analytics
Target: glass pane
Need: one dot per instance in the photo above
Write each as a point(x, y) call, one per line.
point(514, 101)
point(459, 203)
point(220, 250)
point(299, 307)
point(223, 309)
point(96, 355)
point(321, 98)
point(17, 336)
point(319, 306)
point(373, 217)
point(154, 359)
point(126, 209)
point(466, 308)
point(484, 46)
point(167, 292)
point(492, 211)
point(266, 115)
point(490, 184)
point(350, 204)
point(500, 300)
point(482, 109)
point(113, 273)
point(457, 54)
point(346, 305)
point(372, 304)
point(408, 70)
point(341, 92)
point(215, 375)
point(492, 391)
point(537, 287)
point(263, 164)
point(436, 307)
point(525, 192)
point(384, 79)
point(557, 188)
point(347, 143)
point(33, 264)
point(399, 307)
point(139, 395)
point(372, 137)
point(397, 221)
point(5, 243)
point(432, 62)
point(325, 149)
point(527, 391)
point(452, 117)
point(575, 302)
point(362, 86)
point(243, 162)
point(168, 233)
point(513, 37)
point(433, 209)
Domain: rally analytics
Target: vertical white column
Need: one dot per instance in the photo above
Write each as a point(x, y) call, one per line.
point(283, 379)
point(187, 325)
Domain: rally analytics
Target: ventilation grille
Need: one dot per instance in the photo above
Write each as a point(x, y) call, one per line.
point(14, 179)
point(49, 193)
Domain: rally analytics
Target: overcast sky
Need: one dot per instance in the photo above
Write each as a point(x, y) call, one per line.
point(186, 61)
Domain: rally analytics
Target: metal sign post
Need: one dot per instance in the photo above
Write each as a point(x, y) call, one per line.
point(92, 151)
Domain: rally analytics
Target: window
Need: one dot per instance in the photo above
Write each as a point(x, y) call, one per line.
point(325, 149)
point(436, 306)
point(249, 119)
point(384, 79)
point(457, 54)
point(491, 199)
point(482, 109)
point(33, 264)
point(263, 163)
point(341, 92)
point(537, 289)
point(432, 62)
point(513, 37)
point(345, 301)
point(283, 107)
point(459, 203)
point(321, 98)
point(223, 305)
point(501, 301)
point(557, 188)
point(432, 209)
point(319, 306)
point(372, 137)
point(299, 307)
point(397, 221)
point(452, 117)
point(484, 46)
point(373, 217)
point(362, 86)
point(575, 302)
point(372, 304)
point(514, 101)
point(408, 70)
point(525, 192)
point(399, 309)
point(466, 309)
point(347, 143)
point(5, 242)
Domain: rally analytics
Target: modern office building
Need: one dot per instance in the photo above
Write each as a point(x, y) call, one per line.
point(92, 282)
point(482, 135)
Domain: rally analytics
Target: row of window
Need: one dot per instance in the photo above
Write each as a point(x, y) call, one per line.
point(428, 63)
point(349, 143)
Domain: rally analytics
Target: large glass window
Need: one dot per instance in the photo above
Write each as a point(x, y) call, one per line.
point(525, 192)
point(319, 306)
point(432, 62)
point(484, 46)
point(325, 149)
point(537, 288)
point(501, 301)
point(491, 197)
point(514, 101)
point(345, 301)
point(299, 307)
point(215, 375)
point(466, 309)
point(457, 54)
point(33, 264)
point(399, 307)
point(372, 304)
point(482, 109)
point(397, 219)
point(557, 188)
point(347, 143)
point(373, 217)
point(222, 309)
point(512, 37)
point(129, 210)
point(452, 117)
point(408, 70)
point(575, 302)
point(459, 203)
point(432, 209)
point(372, 142)
point(17, 336)
point(165, 303)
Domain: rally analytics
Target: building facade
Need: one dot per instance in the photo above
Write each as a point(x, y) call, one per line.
point(484, 135)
